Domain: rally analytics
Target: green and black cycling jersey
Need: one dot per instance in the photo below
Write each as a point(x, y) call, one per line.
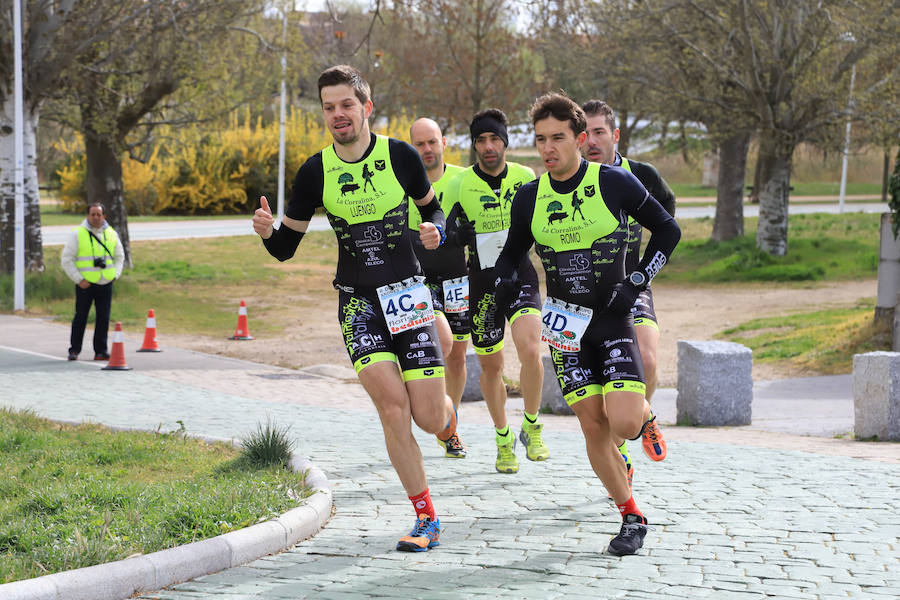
point(367, 204)
point(448, 260)
point(579, 227)
point(658, 188)
point(487, 200)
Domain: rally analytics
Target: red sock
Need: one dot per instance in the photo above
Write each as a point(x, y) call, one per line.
point(629, 508)
point(422, 504)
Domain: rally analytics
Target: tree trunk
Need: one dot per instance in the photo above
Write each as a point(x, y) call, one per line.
point(624, 134)
point(775, 182)
point(34, 253)
point(682, 140)
point(103, 181)
point(711, 169)
point(729, 221)
point(886, 172)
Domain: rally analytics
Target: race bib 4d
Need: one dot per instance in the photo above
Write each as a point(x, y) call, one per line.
point(563, 324)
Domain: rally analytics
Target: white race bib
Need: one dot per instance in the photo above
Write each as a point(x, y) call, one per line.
point(489, 246)
point(564, 324)
point(456, 295)
point(406, 304)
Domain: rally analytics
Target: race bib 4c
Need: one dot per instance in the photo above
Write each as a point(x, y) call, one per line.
point(406, 304)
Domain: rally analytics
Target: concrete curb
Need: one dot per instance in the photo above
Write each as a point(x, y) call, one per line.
point(125, 578)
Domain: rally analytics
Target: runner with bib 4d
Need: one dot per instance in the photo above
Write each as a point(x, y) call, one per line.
point(385, 310)
point(577, 216)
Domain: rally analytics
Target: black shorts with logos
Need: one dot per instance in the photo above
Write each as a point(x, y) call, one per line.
point(643, 312)
point(487, 326)
point(368, 340)
point(608, 361)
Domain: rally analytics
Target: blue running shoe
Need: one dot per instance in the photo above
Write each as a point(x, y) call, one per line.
point(424, 536)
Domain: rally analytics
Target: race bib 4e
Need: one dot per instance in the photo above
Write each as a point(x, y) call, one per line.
point(456, 295)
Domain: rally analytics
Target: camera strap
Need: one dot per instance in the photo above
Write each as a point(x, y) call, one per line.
point(99, 241)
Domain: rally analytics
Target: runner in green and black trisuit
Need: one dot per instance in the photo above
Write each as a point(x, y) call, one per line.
point(587, 315)
point(479, 200)
point(599, 147)
point(385, 311)
point(445, 272)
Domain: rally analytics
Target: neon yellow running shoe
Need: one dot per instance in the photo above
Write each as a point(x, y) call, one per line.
point(506, 457)
point(535, 449)
point(453, 448)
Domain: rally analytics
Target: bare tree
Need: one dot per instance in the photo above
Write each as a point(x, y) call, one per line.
point(782, 65)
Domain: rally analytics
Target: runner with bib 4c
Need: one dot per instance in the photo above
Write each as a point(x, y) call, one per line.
point(385, 311)
point(577, 214)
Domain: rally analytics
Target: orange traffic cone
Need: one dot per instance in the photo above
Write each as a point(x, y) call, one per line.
point(117, 356)
point(243, 330)
point(150, 343)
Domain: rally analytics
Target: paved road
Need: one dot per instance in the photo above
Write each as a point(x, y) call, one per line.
point(738, 512)
point(165, 230)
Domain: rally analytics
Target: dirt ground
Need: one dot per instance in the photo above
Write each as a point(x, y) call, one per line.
point(307, 308)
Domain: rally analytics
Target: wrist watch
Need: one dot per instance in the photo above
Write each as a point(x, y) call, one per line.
point(637, 279)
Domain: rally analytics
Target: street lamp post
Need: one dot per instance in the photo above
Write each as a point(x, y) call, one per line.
point(282, 115)
point(19, 175)
point(847, 140)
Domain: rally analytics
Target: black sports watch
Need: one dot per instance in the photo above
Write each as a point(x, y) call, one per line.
point(638, 279)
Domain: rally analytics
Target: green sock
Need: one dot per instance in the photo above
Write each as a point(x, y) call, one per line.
point(531, 418)
point(504, 436)
point(623, 450)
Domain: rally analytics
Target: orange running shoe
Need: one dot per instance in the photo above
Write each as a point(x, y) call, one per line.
point(424, 536)
point(652, 440)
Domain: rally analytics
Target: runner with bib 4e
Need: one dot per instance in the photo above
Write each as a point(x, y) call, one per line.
point(385, 310)
point(480, 200)
point(577, 216)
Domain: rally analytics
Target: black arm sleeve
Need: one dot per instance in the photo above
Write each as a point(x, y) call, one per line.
point(519, 239)
point(306, 193)
point(664, 236)
point(432, 212)
point(283, 242)
point(409, 169)
point(655, 184)
point(452, 229)
point(637, 202)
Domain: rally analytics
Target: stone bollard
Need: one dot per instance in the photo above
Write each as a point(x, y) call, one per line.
point(551, 396)
point(715, 383)
point(876, 395)
point(472, 391)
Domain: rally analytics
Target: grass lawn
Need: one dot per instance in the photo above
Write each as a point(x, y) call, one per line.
point(75, 496)
point(821, 247)
point(823, 341)
point(695, 190)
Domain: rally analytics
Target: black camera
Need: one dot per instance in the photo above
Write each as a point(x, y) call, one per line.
point(100, 262)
